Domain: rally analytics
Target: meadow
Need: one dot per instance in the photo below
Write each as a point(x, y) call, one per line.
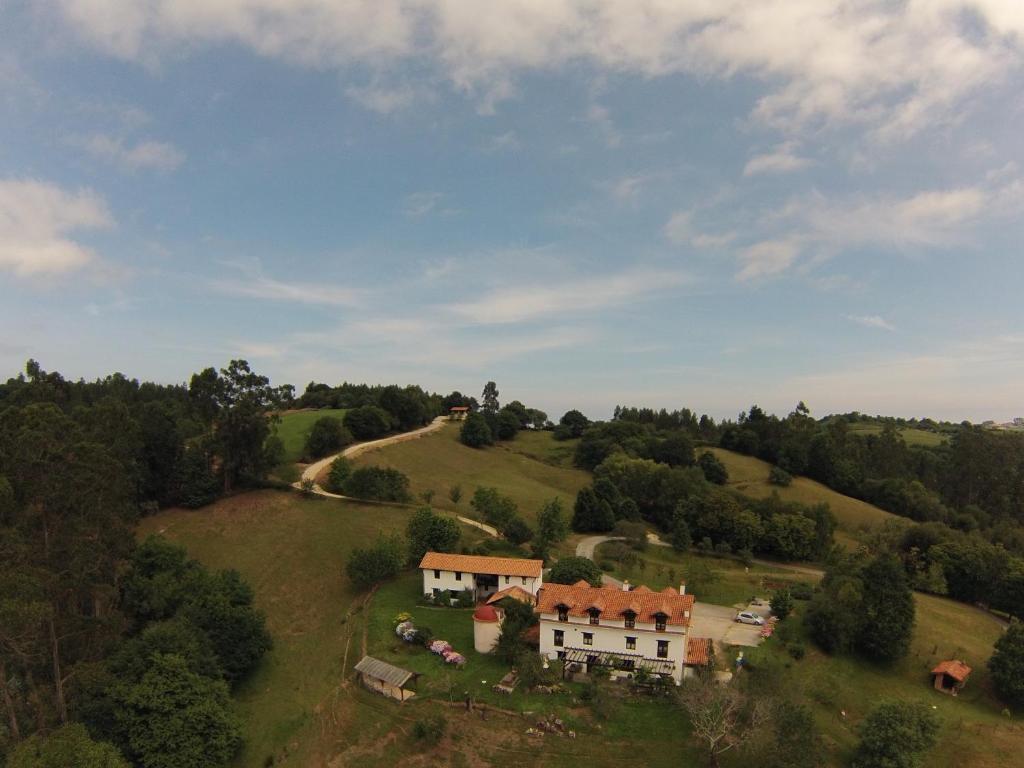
point(532, 469)
point(910, 435)
point(294, 428)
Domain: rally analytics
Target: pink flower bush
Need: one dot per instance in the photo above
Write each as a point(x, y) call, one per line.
point(440, 647)
point(454, 658)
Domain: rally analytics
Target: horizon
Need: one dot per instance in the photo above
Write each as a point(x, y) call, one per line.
point(687, 207)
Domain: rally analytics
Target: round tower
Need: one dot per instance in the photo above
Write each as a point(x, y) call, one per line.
point(486, 628)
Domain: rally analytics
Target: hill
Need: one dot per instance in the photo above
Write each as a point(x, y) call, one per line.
point(750, 476)
point(910, 435)
point(295, 427)
point(531, 469)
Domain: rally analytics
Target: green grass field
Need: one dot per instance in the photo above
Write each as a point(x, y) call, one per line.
point(530, 469)
point(910, 436)
point(974, 731)
point(295, 426)
point(750, 476)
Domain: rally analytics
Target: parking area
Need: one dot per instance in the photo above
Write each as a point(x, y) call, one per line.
point(718, 622)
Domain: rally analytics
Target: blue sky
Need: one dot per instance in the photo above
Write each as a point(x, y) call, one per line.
point(656, 203)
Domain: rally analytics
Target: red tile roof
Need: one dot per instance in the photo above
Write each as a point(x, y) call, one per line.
point(459, 408)
point(955, 669)
point(516, 593)
point(500, 566)
point(698, 651)
point(615, 602)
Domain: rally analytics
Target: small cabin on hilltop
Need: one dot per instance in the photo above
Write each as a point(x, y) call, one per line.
point(950, 676)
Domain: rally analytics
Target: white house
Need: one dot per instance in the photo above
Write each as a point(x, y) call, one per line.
point(617, 628)
point(445, 572)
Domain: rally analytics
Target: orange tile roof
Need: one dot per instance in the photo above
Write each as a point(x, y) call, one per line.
point(698, 651)
point(499, 566)
point(516, 593)
point(955, 669)
point(580, 596)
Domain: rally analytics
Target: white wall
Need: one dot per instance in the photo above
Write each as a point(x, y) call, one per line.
point(447, 581)
point(611, 635)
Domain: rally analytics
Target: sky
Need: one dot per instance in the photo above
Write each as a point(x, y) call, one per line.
point(666, 203)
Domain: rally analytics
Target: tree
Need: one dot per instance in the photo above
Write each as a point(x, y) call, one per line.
point(591, 513)
point(429, 532)
point(67, 747)
point(378, 484)
point(782, 603)
point(894, 735)
point(722, 716)
point(495, 508)
point(574, 423)
point(517, 531)
point(676, 450)
point(368, 422)
point(338, 475)
point(888, 610)
point(797, 742)
point(714, 470)
point(475, 432)
point(508, 424)
point(196, 483)
point(569, 570)
point(455, 494)
point(779, 476)
point(551, 525)
point(1007, 665)
point(327, 436)
point(381, 561)
point(174, 717)
point(489, 398)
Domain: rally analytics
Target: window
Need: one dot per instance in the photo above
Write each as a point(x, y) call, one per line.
point(437, 574)
point(663, 649)
point(659, 621)
point(563, 613)
point(630, 643)
point(559, 638)
point(436, 591)
point(630, 620)
point(588, 638)
point(561, 654)
point(506, 579)
point(595, 616)
point(458, 575)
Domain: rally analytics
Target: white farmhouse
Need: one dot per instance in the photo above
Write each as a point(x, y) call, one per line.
point(617, 628)
point(444, 572)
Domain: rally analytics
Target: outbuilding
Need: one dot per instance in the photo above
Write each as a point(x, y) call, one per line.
point(386, 679)
point(950, 676)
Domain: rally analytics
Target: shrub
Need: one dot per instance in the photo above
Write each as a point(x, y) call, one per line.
point(723, 548)
point(517, 531)
point(378, 484)
point(428, 532)
point(376, 563)
point(327, 436)
point(569, 570)
point(338, 475)
point(779, 476)
point(782, 603)
point(714, 470)
point(368, 422)
point(429, 728)
point(896, 734)
point(801, 590)
point(705, 545)
point(796, 650)
point(475, 432)
point(1007, 665)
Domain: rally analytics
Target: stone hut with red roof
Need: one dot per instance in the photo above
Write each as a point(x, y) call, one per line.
point(621, 629)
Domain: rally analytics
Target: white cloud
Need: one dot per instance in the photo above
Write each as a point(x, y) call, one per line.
point(896, 67)
point(872, 321)
point(252, 284)
point(502, 142)
point(35, 219)
point(385, 98)
point(154, 155)
point(767, 258)
point(679, 229)
point(782, 159)
point(531, 302)
point(421, 203)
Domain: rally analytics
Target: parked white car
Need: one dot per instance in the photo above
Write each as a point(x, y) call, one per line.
point(749, 617)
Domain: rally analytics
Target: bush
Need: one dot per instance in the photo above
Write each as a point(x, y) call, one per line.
point(378, 484)
point(429, 728)
point(475, 432)
point(428, 532)
point(714, 470)
point(338, 475)
point(779, 476)
point(517, 531)
point(1007, 665)
point(896, 734)
point(801, 590)
point(796, 650)
point(368, 422)
point(327, 436)
point(569, 570)
point(372, 565)
point(782, 603)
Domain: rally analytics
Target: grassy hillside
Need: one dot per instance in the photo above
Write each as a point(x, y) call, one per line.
point(750, 476)
point(531, 469)
point(295, 426)
point(910, 436)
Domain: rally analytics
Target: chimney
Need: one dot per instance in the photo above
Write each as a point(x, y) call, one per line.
point(682, 587)
point(625, 586)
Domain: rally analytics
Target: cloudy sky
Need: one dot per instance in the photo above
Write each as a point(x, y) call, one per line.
point(656, 202)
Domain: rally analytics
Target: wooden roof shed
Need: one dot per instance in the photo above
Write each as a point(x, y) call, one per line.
point(950, 676)
point(386, 679)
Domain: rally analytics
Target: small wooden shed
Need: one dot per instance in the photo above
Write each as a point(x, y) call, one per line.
point(386, 679)
point(950, 676)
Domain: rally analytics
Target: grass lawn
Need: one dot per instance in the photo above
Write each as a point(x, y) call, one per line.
point(749, 475)
point(519, 469)
point(295, 427)
point(974, 733)
point(910, 436)
point(710, 579)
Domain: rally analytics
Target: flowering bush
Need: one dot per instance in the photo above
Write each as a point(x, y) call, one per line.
point(404, 627)
point(454, 658)
point(403, 617)
point(440, 647)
